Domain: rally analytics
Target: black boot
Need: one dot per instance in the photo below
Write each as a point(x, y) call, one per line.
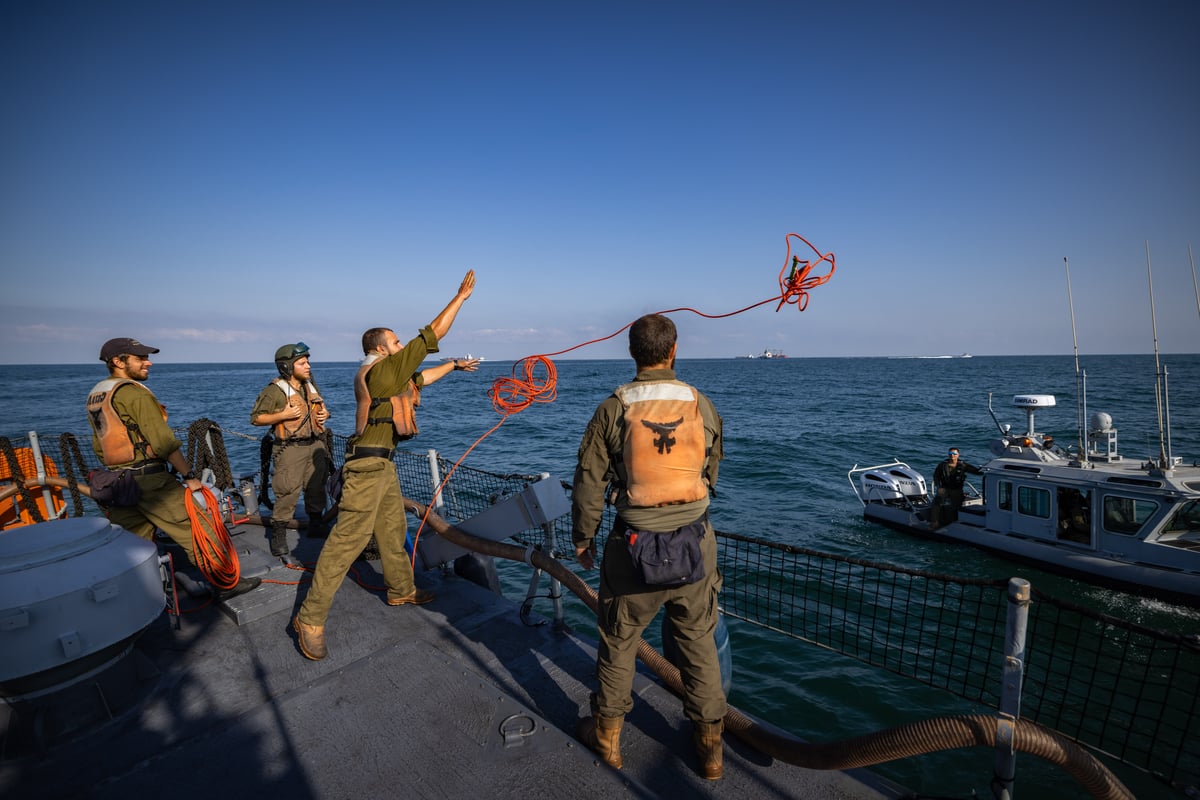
point(279, 543)
point(317, 529)
point(244, 585)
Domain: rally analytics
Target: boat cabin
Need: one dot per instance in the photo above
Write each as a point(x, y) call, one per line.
point(1099, 503)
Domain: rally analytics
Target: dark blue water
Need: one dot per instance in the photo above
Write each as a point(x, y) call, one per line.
point(793, 427)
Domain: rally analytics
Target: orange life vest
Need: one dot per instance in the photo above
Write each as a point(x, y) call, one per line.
point(404, 404)
point(116, 441)
point(12, 514)
point(664, 448)
point(294, 398)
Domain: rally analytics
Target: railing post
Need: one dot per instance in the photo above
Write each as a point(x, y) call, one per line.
point(435, 480)
point(40, 463)
point(1010, 693)
point(559, 623)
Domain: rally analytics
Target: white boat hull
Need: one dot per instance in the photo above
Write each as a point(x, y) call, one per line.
point(1067, 558)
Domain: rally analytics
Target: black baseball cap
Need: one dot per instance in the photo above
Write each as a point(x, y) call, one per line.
point(116, 347)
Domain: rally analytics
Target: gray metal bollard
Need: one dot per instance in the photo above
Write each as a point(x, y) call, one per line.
point(1005, 766)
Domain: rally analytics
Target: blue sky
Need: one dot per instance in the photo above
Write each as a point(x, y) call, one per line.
point(220, 178)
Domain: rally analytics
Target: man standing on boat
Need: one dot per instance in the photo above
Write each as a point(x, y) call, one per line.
point(293, 408)
point(371, 502)
point(130, 432)
point(658, 442)
point(948, 480)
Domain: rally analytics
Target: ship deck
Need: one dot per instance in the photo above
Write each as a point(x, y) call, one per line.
point(456, 698)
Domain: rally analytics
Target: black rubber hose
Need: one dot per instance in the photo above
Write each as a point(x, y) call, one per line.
point(904, 741)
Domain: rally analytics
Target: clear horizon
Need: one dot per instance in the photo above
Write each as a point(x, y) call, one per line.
point(269, 365)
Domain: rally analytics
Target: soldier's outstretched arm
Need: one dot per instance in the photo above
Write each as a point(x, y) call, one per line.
point(442, 322)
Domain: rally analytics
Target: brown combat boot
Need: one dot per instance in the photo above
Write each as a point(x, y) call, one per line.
point(419, 597)
point(311, 639)
point(706, 736)
point(603, 735)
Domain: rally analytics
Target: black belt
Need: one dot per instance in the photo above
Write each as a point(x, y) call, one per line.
point(148, 467)
point(370, 452)
point(621, 526)
point(305, 440)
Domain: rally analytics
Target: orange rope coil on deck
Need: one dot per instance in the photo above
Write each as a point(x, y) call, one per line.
point(215, 554)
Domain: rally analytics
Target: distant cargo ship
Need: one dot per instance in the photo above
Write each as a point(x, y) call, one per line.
point(766, 354)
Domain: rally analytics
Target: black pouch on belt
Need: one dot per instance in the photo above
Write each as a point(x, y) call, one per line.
point(668, 558)
point(115, 488)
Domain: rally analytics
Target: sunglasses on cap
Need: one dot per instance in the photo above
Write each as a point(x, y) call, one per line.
point(298, 349)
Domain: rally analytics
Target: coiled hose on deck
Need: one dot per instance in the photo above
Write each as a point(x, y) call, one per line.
point(904, 741)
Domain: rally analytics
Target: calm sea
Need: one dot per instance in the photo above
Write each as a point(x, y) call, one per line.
point(793, 427)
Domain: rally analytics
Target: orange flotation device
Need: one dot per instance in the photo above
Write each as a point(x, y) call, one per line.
point(404, 405)
point(664, 447)
point(48, 496)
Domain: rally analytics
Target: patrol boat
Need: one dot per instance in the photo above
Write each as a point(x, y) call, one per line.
point(1091, 513)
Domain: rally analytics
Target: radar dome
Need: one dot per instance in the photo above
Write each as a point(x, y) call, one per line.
point(1100, 421)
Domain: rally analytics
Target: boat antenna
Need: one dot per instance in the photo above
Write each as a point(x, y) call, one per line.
point(1195, 286)
point(1080, 388)
point(1159, 377)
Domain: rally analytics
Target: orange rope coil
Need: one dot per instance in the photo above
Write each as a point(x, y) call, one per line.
point(215, 555)
point(512, 394)
point(794, 290)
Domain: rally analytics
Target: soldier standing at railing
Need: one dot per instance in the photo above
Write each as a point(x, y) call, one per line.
point(371, 501)
point(659, 442)
point(293, 407)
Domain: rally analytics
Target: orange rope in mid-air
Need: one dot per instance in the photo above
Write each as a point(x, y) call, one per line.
point(511, 394)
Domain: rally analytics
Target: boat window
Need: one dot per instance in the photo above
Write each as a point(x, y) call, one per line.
point(1034, 502)
point(1074, 515)
point(1186, 519)
point(1127, 515)
point(1004, 495)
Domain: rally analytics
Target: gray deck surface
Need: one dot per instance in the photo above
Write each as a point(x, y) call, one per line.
point(411, 702)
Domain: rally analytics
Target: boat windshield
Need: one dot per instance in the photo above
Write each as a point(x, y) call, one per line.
point(1126, 514)
point(1186, 519)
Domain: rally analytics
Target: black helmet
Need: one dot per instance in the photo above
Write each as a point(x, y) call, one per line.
point(285, 357)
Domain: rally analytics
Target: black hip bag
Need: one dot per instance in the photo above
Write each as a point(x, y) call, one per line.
point(667, 558)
